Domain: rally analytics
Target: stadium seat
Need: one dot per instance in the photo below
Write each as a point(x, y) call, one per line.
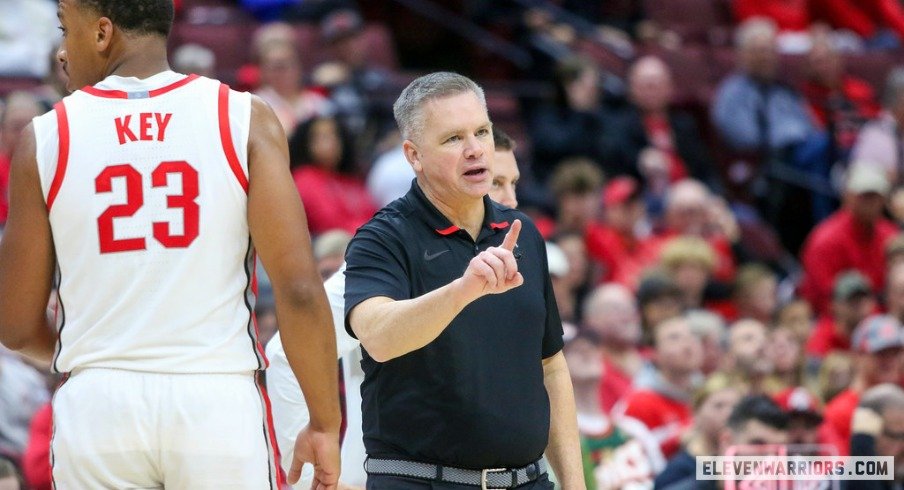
point(696, 21)
point(872, 66)
point(229, 42)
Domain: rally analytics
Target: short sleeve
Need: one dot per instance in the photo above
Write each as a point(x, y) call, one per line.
point(374, 267)
point(552, 333)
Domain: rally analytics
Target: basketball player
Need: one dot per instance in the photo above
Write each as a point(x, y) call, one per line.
point(150, 193)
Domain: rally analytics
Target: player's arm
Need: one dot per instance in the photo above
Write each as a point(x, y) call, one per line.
point(388, 328)
point(564, 448)
point(279, 231)
point(26, 259)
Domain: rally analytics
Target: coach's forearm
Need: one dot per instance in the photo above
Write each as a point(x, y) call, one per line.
point(306, 330)
point(564, 448)
point(388, 329)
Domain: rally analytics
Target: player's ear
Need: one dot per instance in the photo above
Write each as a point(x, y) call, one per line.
point(103, 34)
point(412, 154)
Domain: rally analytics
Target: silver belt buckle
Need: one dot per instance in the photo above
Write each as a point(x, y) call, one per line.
point(483, 478)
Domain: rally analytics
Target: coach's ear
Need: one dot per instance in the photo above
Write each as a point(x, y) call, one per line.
point(413, 155)
point(103, 35)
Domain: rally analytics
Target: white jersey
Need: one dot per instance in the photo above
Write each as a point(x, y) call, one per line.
point(146, 186)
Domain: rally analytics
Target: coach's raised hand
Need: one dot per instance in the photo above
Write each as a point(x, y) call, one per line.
point(494, 270)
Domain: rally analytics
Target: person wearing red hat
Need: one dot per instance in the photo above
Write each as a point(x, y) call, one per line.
point(878, 343)
point(804, 414)
point(621, 243)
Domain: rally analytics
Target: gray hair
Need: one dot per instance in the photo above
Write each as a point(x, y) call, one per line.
point(881, 397)
point(894, 87)
point(705, 323)
point(753, 28)
point(408, 108)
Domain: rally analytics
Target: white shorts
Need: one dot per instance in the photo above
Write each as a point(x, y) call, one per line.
point(128, 430)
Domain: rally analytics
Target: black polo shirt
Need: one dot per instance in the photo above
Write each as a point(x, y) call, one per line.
point(474, 397)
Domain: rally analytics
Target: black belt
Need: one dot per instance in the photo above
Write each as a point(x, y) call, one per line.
point(485, 479)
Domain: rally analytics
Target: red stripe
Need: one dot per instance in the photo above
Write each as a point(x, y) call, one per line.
point(172, 86)
point(226, 138)
point(62, 153)
point(448, 231)
point(499, 226)
point(119, 94)
point(268, 416)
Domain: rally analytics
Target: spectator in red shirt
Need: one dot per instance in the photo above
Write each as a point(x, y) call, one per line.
point(334, 196)
point(610, 311)
point(692, 210)
point(852, 301)
point(621, 242)
point(854, 237)
point(650, 122)
point(36, 460)
point(839, 102)
point(663, 399)
point(879, 346)
point(841, 105)
point(21, 108)
point(713, 403)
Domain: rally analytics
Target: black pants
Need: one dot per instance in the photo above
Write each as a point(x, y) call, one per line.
point(383, 482)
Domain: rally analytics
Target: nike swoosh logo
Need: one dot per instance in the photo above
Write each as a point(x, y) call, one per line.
point(430, 256)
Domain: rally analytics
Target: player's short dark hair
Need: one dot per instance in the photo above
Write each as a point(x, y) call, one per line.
point(136, 16)
point(760, 408)
point(502, 140)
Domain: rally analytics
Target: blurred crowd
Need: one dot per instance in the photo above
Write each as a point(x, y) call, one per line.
point(727, 257)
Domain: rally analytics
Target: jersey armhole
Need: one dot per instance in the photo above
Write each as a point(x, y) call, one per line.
point(227, 140)
point(62, 152)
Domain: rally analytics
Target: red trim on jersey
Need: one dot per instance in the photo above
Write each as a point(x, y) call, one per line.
point(448, 231)
point(226, 138)
point(268, 417)
point(119, 94)
point(499, 226)
point(62, 153)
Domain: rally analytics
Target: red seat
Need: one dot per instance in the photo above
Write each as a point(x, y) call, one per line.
point(694, 20)
point(871, 66)
point(692, 73)
point(12, 84)
point(229, 42)
point(381, 51)
point(309, 49)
